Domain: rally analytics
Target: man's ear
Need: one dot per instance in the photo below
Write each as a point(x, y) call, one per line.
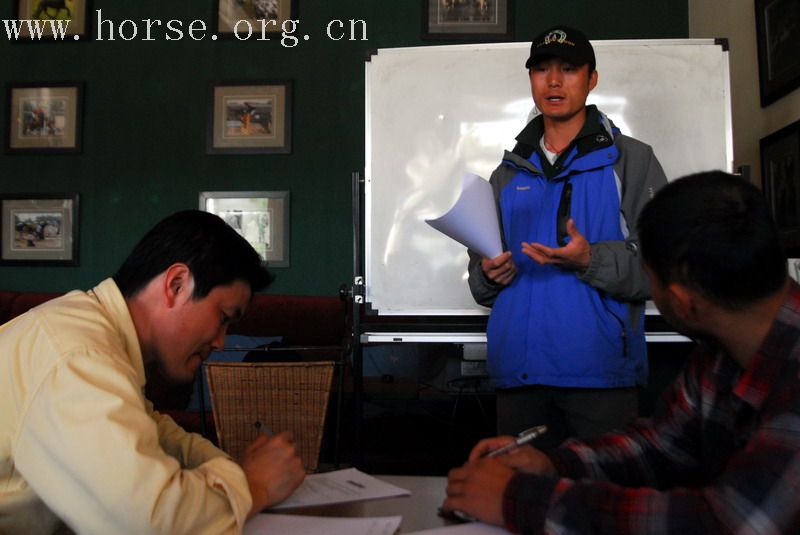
point(593, 77)
point(683, 301)
point(178, 284)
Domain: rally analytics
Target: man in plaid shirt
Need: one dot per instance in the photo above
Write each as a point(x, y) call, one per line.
point(722, 452)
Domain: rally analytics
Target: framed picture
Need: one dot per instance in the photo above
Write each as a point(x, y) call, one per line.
point(250, 117)
point(63, 20)
point(246, 19)
point(44, 117)
point(473, 20)
point(780, 172)
point(261, 217)
point(39, 229)
point(778, 33)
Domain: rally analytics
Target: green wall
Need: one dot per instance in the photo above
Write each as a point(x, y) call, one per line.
point(145, 113)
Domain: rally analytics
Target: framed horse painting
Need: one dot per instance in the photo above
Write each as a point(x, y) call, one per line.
point(61, 20)
point(250, 117)
point(44, 117)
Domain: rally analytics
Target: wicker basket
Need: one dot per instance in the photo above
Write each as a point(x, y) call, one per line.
point(285, 396)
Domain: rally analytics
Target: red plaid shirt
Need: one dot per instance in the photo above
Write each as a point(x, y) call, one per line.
point(720, 455)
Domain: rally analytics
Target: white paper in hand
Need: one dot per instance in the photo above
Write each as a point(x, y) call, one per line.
point(472, 221)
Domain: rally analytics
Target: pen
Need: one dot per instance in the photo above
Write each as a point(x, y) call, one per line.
point(523, 438)
point(263, 429)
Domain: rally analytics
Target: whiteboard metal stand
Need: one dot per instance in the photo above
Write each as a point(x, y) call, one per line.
point(356, 293)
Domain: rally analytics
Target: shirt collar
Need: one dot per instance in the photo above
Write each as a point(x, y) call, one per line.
point(111, 299)
point(777, 351)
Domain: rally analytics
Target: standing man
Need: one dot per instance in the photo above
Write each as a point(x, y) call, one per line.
point(722, 451)
point(566, 342)
point(80, 444)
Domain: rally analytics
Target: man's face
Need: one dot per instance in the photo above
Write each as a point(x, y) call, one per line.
point(560, 89)
point(192, 329)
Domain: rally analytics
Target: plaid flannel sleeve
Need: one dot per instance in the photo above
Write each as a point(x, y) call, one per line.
point(646, 480)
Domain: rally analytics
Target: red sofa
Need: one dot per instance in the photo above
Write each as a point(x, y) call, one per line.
point(299, 320)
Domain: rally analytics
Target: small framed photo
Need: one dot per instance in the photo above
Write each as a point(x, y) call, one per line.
point(44, 117)
point(470, 20)
point(262, 217)
point(245, 19)
point(62, 20)
point(39, 229)
point(250, 118)
point(778, 35)
point(780, 172)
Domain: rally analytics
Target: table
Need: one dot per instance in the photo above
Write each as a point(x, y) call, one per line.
point(419, 511)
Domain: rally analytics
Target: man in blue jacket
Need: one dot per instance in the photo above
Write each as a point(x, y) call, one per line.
point(566, 342)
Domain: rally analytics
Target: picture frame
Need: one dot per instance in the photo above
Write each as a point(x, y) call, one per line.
point(245, 19)
point(468, 20)
point(778, 37)
point(39, 229)
point(780, 174)
point(252, 117)
point(44, 117)
point(75, 13)
point(261, 217)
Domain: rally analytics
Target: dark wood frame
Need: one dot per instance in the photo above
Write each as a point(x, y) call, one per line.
point(270, 30)
point(83, 34)
point(40, 257)
point(502, 30)
point(47, 146)
point(774, 85)
point(780, 176)
point(281, 118)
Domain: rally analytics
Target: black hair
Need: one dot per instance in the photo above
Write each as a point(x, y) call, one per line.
point(713, 232)
point(215, 253)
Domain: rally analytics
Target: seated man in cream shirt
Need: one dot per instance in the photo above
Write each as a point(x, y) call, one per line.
point(79, 443)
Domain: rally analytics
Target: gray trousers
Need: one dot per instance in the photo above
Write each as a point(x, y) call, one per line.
point(567, 412)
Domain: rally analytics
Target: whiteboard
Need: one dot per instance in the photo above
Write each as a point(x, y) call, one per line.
point(433, 113)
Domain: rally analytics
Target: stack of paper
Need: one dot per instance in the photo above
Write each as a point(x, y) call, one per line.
point(472, 221)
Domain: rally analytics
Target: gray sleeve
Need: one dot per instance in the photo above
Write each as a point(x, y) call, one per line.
point(615, 266)
point(483, 290)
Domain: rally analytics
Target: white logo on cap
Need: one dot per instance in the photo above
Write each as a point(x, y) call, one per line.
point(556, 36)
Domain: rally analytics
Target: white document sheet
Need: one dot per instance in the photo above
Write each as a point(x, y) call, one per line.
point(340, 486)
point(470, 528)
point(472, 221)
point(272, 524)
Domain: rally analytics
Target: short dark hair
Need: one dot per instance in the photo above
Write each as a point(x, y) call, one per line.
point(713, 232)
point(215, 253)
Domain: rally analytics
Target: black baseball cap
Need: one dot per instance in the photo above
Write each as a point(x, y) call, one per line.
point(562, 42)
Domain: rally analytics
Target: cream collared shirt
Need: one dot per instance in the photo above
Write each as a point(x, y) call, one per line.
point(80, 443)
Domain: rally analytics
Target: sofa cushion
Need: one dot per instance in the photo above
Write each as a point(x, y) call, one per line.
point(299, 320)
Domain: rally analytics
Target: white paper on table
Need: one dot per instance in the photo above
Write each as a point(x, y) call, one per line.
point(472, 221)
point(470, 528)
point(272, 524)
point(340, 486)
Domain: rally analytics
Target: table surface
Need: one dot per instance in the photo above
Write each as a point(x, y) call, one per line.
point(419, 510)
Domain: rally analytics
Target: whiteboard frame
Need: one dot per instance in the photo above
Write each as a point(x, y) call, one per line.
point(368, 199)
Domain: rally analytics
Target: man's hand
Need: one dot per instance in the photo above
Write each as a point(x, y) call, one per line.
point(500, 269)
point(523, 459)
point(273, 470)
point(477, 489)
point(575, 255)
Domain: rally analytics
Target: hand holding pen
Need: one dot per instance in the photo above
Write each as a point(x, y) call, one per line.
point(492, 447)
point(523, 438)
point(478, 484)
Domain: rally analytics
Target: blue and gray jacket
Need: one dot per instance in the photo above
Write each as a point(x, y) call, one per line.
point(553, 326)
